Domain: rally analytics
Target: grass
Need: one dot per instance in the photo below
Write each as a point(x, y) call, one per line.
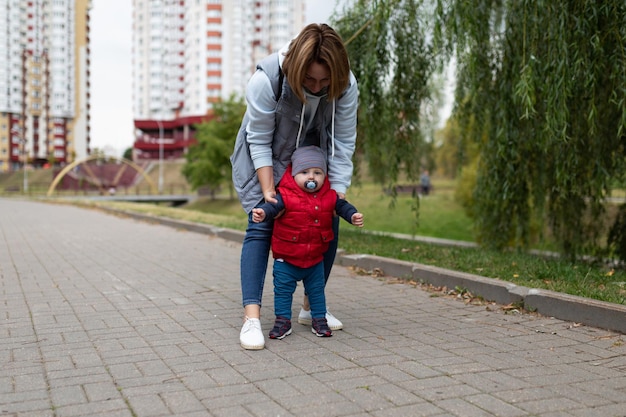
point(593, 281)
point(440, 217)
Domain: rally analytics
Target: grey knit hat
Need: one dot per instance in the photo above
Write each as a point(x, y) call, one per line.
point(307, 157)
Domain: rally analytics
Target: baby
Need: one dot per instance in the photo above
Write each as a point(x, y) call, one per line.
point(303, 218)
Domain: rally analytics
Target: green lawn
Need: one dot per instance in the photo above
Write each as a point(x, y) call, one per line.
point(439, 215)
point(593, 281)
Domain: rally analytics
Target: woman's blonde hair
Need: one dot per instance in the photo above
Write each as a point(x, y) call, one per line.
point(317, 43)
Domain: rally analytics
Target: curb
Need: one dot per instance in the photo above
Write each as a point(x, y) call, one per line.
point(567, 307)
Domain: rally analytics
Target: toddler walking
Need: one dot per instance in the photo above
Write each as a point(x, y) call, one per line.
point(302, 232)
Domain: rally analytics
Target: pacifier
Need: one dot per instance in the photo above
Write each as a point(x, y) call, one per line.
point(310, 185)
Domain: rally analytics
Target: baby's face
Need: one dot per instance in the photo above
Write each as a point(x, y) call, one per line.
point(310, 179)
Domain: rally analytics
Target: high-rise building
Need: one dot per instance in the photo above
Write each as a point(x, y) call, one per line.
point(189, 54)
point(44, 82)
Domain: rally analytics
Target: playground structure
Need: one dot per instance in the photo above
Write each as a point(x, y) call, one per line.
point(108, 178)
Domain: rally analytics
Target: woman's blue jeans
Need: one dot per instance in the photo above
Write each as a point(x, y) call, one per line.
point(254, 257)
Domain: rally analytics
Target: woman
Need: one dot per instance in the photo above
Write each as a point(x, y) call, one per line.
point(303, 95)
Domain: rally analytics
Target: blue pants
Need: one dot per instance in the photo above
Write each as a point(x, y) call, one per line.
point(254, 257)
point(286, 277)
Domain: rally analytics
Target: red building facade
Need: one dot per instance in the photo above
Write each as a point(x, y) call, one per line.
point(172, 137)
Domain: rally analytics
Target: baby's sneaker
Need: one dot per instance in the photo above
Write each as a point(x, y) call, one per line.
point(282, 328)
point(320, 327)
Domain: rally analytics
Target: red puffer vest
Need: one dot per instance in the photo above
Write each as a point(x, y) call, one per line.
point(302, 234)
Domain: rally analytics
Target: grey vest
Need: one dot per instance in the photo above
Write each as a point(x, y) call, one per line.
point(287, 113)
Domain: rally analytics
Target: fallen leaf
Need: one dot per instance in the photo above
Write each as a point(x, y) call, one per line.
point(377, 272)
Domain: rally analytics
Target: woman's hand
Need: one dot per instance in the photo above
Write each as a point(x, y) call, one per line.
point(266, 179)
point(270, 196)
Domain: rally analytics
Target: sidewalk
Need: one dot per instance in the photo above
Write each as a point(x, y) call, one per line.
point(105, 315)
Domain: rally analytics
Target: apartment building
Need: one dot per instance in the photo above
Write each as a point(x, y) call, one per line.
point(189, 54)
point(44, 82)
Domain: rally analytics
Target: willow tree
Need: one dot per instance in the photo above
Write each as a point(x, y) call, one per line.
point(541, 90)
point(391, 53)
point(542, 87)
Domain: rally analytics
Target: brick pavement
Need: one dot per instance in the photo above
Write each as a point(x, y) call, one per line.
point(104, 315)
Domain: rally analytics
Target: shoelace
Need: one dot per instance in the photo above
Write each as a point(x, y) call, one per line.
point(250, 325)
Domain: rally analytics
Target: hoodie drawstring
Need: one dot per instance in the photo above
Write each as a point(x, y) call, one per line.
point(332, 133)
point(332, 130)
point(301, 124)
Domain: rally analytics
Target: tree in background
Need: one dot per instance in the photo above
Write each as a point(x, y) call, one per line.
point(541, 92)
point(544, 83)
point(449, 150)
point(207, 162)
point(392, 57)
point(458, 159)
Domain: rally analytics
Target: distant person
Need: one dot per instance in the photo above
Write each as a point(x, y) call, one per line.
point(305, 94)
point(303, 229)
point(425, 182)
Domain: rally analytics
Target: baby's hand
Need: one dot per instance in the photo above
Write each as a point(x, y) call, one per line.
point(357, 219)
point(258, 215)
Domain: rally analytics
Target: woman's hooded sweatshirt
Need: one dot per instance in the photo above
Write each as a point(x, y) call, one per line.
point(276, 122)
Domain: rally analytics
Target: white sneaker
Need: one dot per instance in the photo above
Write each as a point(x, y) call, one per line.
point(333, 322)
point(251, 336)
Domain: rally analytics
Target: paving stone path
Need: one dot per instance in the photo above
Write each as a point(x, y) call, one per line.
point(103, 315)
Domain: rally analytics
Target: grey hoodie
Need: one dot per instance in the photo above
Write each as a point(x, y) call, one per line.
point(273, 128)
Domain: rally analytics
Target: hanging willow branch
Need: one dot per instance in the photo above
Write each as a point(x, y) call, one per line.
point(541, 93)
point(547, 82)
point(391, 55)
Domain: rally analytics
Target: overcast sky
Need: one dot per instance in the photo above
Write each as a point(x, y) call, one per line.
point(111, 94)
